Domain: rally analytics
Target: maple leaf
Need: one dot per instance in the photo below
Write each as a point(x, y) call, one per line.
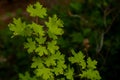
point(91, 64)
point(91, 74)
point(41, 50)
point(69, 73)
point(17, 27)
point(59, 69)
point(38, 29)
point(51, 35)
point(52, 47)
point(37, 63)
point(28, 31)
point(45, 73)
point(37, 10)
point(54, 26)
point(41, 40)
point(30, 45)
point(59, 56)
point(78, 58)
point(50, 61)
point(60, 63)
point(26, 77)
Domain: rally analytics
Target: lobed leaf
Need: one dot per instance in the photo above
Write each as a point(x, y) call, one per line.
point(54, 26)
point(37, 10)
point(69, 74)
point(26, 77)
point(30, 45)
point(91, 74)
point(41, 40)
point(17, 27)
point(38, 29)
point(41, 50)
point(37, 63)
point(52, 47)
point(91, 64)
point(45, 73)
point(78, 58)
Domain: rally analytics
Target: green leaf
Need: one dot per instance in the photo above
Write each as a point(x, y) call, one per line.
point(51, 35)
point(41, 40)
point(38, 29)
point(45, 73)
point(60, 66)
point(52, 47)
point(91, 64)
point(28, 31)
point(59, 56)
point(30, 45)
point(37, 63)
point(78, 58)
point(91, 74)
point(41, 50)
point(52, 59)
point(26, 77)
point(69, 74)
point(54, 26)
point(59, 69)
point(37, 10)
point(17, 27)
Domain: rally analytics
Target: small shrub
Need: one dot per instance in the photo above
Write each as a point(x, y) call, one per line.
point(48, 61)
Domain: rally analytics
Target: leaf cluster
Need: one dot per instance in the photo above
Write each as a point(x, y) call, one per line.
point(41, 41)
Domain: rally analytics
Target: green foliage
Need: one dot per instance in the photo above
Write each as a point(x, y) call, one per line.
point(37, 10)
point(26, 77)
point(78, 58)
point(70, 73)
point(88, 69)
point(18, 27)
point(91, 72)
point(48, 61)
point(30, 45)
point(52, 46)
point(37, 29)
point(54, 27)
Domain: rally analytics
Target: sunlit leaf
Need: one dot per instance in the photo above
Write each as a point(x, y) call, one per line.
point(91, 64)
point(54, 26)
point(45, 73)
point(30, 45)
point(37, 10)
point(37, 62)
point(41, 50)
point(38, 29)
point(69, 73)
point(17, 27)
point(91, 74)
point(41, 40)
point(52, 47)
point(26, 77)
point(78, 58)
